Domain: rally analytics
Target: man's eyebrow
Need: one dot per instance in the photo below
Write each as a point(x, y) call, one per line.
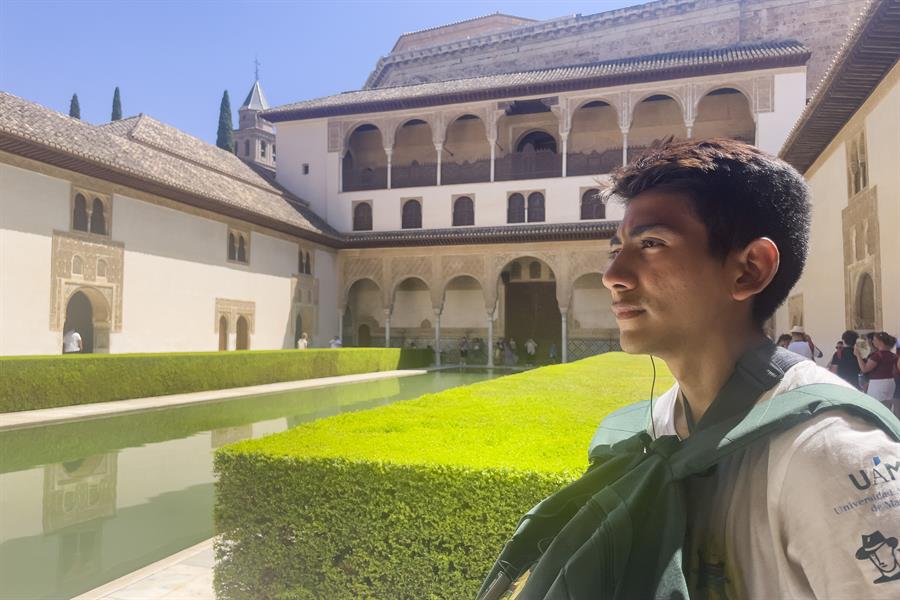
point(639, 229)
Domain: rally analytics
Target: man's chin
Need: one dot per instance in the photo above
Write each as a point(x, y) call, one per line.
point(633, 342)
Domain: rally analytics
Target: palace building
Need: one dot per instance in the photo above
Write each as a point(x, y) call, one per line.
point(455, 194)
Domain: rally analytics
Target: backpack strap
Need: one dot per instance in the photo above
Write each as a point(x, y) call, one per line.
point(755, 373)
point(705, 448)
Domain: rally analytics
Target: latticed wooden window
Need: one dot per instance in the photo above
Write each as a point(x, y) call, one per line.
point(534, 270)
point(412, 215)
point(463, 211)
point(857, 165)
point(515, 208)
point(362, 217)
point(79, 214)
point(535, 207)
point(515, 271)
point(592, 206)
point(98, 218)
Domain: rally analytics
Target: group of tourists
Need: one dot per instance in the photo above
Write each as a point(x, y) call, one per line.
point(869, 362)
point(508, 353)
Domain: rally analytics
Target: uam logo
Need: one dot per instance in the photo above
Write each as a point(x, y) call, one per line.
point(878, 474)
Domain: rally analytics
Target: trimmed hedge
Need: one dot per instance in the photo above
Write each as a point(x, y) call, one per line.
point(414, 499)
point(31, 382)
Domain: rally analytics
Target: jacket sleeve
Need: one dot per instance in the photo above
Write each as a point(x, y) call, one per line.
point(839, 509)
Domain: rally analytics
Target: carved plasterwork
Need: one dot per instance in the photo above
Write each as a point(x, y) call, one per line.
point(862, 241)
point(355, 269)
point(335, 136)
point(232, 310)
point(79, 491)
point(95, 253)
point(464, 264)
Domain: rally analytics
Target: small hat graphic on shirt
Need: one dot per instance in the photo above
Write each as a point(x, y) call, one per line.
point(872, 542)
point(797, 329)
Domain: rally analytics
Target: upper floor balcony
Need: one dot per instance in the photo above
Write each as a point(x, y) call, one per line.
point(531, 139)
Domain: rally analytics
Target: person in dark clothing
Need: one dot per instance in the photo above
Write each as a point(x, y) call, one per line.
point(843, 361)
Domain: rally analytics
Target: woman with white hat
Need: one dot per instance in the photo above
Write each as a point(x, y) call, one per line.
point(800, 342)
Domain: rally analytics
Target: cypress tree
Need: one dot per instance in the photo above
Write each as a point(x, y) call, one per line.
point(74, 107)
point(117, 105)
point(225, 136)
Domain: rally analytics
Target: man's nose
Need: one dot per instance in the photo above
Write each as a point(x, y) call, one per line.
point(619, 274)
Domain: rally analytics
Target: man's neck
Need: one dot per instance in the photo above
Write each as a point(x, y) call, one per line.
point(702, 369)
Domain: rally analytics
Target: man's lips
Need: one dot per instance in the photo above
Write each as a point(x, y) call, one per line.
point(626, 311)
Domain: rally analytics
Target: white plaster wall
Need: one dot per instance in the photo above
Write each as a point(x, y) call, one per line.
point(306, 142)
point(31, 207)
point(562, 201)
point(464, 309)
point(326, 273)
point(411, 307)
point(175, 268)
point(773, 127)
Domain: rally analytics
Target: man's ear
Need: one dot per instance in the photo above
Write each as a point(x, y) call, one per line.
point(757, 264)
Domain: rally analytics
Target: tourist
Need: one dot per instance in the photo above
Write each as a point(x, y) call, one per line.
point(843, 362)
point(335, 342)
point(531, 350)
point(800, 344)
point(303, 342)
point(718, 227)
point(498, 351)
point(879, 367)
point(552, 352)
point(784, 340)
point(463, 350)
point(72, 343)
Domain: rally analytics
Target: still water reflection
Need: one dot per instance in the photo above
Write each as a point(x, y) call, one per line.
point(86, 502)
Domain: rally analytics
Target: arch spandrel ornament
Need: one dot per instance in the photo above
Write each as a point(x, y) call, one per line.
point(356, 269)
point(415, 267)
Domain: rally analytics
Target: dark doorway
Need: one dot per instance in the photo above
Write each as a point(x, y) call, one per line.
point(80, 318)
point(243, 334)
point(532, 311)
point(365, 336)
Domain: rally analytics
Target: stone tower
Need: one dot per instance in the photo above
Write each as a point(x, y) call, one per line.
point(254, 139)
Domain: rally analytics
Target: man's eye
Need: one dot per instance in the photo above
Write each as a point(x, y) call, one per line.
point(650, 243)
point(613, 254)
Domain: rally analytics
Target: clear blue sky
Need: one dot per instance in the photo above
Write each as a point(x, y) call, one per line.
point(173, 59)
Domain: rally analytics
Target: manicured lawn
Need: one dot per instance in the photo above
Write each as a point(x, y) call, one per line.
point(415, 499)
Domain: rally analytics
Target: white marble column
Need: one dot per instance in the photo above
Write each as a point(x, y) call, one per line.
point(490, 340)
point(390, 153)
point(439, 147)
point(341, 169)
point(340, 329)
point(624, 147)
point(565, 335)
point(493, 142)
point(387, 328)
point(437, 337)
point(689, 128)
point(565, 152)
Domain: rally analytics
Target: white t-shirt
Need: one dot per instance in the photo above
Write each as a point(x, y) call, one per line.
point(335, 343)
point(71, 341)
point(805, 514)
point(302, 343)
point(801, 348)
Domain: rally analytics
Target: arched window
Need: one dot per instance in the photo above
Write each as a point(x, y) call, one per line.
point(241, 249)
point(362, 217)
point(243, 334)
point(301, 263)
point(463, 211)
point(223, 333)
point(592, 206)
point(308, 265)
point(534, 270)
point(262, 149)
point(535, 207)
point(412, 215)
point(101, 268)
point(79, 216)
point(515, 270)
point(98, 220)
point(515, 208)
point(537, 141)
point(865, 303)
point(232, 247)
point(246, 147)
point(77, 265)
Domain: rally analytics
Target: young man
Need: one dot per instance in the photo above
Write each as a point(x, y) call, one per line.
point(715, 234)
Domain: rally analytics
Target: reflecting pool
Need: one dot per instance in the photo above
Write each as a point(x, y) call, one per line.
point(85, 502)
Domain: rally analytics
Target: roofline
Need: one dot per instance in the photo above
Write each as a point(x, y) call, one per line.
point(280, 115)
point(460, 22)
point(853, 75)
point(59, 158)
point(502, 234)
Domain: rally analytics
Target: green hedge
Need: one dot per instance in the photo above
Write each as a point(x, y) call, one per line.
point(411, 500)
point(30, 382)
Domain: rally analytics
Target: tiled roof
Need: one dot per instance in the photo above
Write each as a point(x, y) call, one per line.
point(615, 72)
point(503, 234)
point(34, 131)
point(156, 134)
point(869, 52)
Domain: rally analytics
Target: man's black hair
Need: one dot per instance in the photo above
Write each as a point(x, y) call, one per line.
point(849, 337)
point(740, 194)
